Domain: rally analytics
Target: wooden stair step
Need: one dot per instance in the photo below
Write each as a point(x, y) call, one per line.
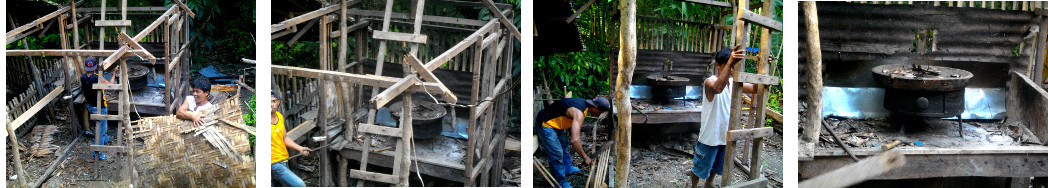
point(108, 86)
point(372, 176)
point(380, 130)
point(107, 117)
point(761, 20)
point(746, 134)
point(746, 77)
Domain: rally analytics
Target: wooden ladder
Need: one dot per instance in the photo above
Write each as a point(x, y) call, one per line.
point(123, 87)
point(402, 154)
point(755, 132)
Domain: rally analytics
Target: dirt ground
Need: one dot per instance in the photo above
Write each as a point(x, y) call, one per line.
point(662, 160)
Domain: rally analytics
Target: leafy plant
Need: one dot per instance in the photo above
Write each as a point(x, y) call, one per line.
point(249, 119)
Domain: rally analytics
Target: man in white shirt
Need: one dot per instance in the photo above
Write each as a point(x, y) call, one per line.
point(716, 103)
point(193, 108)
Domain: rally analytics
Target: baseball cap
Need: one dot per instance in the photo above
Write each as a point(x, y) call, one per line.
point(601, 103)
point(90, 64)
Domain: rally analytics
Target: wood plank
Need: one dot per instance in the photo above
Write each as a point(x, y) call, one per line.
point(300, 130)
point(52, 53)
point(371, 176)
point(379, 130)
point(402, 37)
point(746, 77)
point(106, 117)
point(105, 148)
point(746, 134)
point(757, 183)
point(502, 18)
point(439, 61)
point(303, 18)
point(38, 21)
point(433, 167)
point(184, 8)
point(112, 23)
point(367, 80)
point(429, 76)
point(134, 45)
point(107, 87)
point(763, 21)
point(393, 91)
point(138, 37)
point(431, 18)
point(29, 113)
point(577, 12)
point(711, 2)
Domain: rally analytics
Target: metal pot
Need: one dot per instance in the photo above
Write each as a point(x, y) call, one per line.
point(426, 120)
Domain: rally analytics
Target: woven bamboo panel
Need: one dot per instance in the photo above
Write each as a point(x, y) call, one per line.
point(215, 154)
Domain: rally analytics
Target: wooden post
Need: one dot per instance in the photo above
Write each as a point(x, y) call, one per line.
point(18, 156)
point(741, 38)
point(814, 65)
point(627, 61)
point(1042, 45)
point(322, 112)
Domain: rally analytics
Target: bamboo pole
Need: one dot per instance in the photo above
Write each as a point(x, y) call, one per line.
point(627, 61)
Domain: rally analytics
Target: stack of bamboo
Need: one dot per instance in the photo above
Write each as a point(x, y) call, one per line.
point(215, 154)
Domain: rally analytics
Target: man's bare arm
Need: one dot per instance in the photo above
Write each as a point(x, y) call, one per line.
point(577, 117)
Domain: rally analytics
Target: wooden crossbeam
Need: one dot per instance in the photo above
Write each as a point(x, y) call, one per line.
point(185, 8)
point(107, 117)
point(711, 2)
point(379, 130)
point(746, 134)
point(578, 12)
point(372, 176)
point(484, 105)
point(62, 53)
point(112, 23)
point(134, 45)
point(300, 130)
point(141, 35)
point(303, 18)
point(367, 80)
point(746, 77)
point(105, 148)
point(763, 21)
point(403, 37)
point(426, 74)
point(41, 20)
point(393, 91)
point(505, 21)
point(461, 46)
point(437, 19)
point(21, 119)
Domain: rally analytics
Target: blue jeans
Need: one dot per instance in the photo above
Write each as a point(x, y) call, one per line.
point(284, 177)
point(707, 159)
point(556, 149)
point(103, 127)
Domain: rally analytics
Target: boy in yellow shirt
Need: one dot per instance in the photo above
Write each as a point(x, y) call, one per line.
point(278, 145)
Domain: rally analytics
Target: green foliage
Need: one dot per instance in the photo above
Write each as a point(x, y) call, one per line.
point(583, 73)
point(249, 119)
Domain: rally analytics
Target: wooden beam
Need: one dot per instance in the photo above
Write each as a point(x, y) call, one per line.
point(387, 95)
point(300, 130)
point(141, 35)
point(814, 69)
point(746, 77)
point(367, 80)
point(105, 148)
point(302, 18)
point(484, 105)
point(505, 21)
point(41, 20)
point(711, 2)
point(184, 8)
point(761, 182)
point(371, 176)
point(577, 12)
point(59, 53)
point(106, 117)
point(130, 9)
point(112, 23)
point(134, 45)
point(429, 76)
point(746, 134)
point(302, 32)
point(858, 172)
point(402, 37)
point(761, 20)
point(438, 19)
point(35, 108)
point(379, 130)
point(461, 46)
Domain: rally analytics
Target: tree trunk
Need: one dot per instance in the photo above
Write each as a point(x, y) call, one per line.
point(627, 61)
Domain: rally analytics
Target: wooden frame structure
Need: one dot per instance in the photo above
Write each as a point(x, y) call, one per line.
point(72, 52)
point(1026, 101)
point(491, 44)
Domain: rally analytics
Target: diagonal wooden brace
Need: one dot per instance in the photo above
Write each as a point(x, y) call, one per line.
point(426, 74)
point(184, 7)
point(396, 89)
point(505, 21)
point(131, 42)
